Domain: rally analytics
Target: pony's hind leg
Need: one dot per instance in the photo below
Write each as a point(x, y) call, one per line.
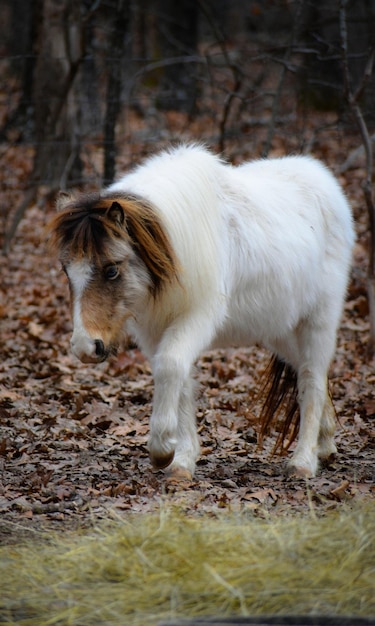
point(315, 440)
point(304, 461)
point(326, 445)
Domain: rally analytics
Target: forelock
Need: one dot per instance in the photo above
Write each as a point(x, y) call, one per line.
point(82, 229)
point(92, 226)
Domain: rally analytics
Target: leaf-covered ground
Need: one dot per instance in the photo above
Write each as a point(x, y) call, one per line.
point(73, 438)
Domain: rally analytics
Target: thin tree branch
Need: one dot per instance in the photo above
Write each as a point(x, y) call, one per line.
point(283, 72)
point(352, 98)
point(237, 73)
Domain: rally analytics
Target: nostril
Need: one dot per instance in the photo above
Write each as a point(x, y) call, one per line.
point(99, 348)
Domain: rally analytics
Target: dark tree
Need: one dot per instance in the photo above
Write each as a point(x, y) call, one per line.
point(178, 37)
point(116, 53)
point(323, 80)
point(26, 19)
point(57, 114)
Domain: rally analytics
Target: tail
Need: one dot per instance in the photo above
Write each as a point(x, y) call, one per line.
point(280, 392)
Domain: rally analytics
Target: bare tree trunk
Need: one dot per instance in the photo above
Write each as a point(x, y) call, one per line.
point(57, 114)
point(57, 111)
point(353, 98)
point(26, 21)
point(178, 30)
point(237, 74)
point(282, 75)
point(114, 88)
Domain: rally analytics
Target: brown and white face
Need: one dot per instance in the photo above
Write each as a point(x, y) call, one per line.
point(104, 294)
point(116, 257)
point(99, 306)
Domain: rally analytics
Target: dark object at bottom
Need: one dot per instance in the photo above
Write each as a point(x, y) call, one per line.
point(276, 620)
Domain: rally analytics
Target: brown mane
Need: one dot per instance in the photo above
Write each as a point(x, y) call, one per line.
point(86, 224)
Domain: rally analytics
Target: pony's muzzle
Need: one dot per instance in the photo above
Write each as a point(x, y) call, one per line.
point(88, 350)
point(100, 350)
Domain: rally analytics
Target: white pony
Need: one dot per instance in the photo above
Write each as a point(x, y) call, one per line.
point(188, 253)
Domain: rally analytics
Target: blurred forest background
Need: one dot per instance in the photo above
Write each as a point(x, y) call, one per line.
point(84, 81)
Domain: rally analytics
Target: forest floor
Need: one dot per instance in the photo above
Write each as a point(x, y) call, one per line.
point(73, 438)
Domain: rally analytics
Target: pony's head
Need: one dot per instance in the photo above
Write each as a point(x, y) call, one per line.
point(116, 256)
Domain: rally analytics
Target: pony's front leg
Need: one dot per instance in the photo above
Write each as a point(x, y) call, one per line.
point(169, 379)
point(187, 447)
point(173, 436)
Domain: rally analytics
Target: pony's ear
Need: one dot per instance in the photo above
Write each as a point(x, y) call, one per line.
point(116, 213)
point(62, 200)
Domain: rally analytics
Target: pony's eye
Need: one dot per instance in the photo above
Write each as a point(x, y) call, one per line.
point(111, 272)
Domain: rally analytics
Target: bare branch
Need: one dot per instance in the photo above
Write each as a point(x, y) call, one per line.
point(352, 99)
point(237, 73)
point(283, 71)
point(366, 75)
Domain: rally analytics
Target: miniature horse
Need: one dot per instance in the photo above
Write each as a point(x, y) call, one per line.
point(187, 253)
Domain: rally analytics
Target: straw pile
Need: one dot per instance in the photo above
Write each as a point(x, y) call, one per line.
point(147, 569)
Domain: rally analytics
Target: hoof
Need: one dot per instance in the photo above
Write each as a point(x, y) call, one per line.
point(161, 462)
point(297, 471)
point(179, 474)
point(178, 479)
point(328, 461)
point(327, 454)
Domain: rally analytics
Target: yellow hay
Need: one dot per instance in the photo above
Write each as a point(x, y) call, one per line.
point(152, 568)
